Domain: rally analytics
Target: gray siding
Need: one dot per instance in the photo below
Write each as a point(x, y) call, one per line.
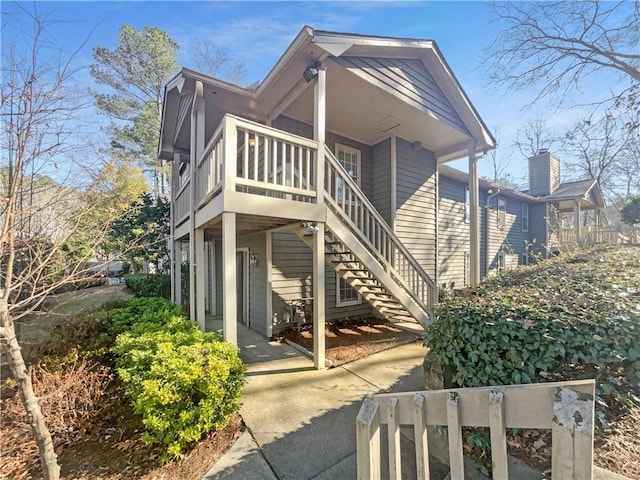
point(453, 233)
point(415, 222)
point(408, 80)
point(538, 223)
point(381, 196)
point(292, 277)
point(510, 239)
point(453, 239)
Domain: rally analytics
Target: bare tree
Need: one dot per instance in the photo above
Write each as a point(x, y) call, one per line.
point(596, 147)
point(42, 213)
point(627, 170)
point(216, 61)
point(561, 46)
point(533, 136)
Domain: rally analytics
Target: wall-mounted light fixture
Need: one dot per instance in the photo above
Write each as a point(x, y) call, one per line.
point(309, 227)
point(311, 71)
point(253, 259)
point(252, 142)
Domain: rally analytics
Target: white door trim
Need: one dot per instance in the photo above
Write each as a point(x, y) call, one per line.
point(245, 283)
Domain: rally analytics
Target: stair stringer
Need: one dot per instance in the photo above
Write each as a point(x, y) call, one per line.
point(337, 227)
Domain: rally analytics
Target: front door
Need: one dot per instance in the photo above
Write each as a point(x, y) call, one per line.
point(242, 285)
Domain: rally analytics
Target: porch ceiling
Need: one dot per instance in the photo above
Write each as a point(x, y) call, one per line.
point(248, 224)
point(364, 112)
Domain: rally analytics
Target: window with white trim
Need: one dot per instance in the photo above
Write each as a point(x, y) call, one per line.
point(502, 260)
point(502, 212)
point(345, 294)
point(351, 159)
point(524, 258)
point(525, 217)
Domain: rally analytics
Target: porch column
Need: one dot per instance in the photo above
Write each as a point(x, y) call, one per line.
point(229, 302)
point(576, 221)
point(474, 224)
point(173, 262)
point(318, 298)
point(176, 272)
point(200, 259)
point(319, 128)
point(196, 118)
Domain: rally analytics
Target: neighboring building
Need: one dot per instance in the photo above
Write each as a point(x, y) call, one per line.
point(516, 227)
point(315, 195)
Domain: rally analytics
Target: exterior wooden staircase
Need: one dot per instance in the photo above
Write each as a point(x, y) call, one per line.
point(362, 248)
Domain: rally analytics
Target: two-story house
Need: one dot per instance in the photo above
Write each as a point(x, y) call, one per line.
point(316, 193)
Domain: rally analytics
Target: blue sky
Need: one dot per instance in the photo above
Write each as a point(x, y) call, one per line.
point(259, 32)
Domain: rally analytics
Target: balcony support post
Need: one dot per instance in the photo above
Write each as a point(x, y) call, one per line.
point(174, 245)
point(318, 298)
point(197, 133)
point(319, 129)
point(201, 267)
point(474, 224)
point(229, 273)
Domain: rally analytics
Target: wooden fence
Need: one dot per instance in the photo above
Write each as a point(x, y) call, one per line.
point(566, 408)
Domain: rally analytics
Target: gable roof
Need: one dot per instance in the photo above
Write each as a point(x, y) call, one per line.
point(568, 190)
point(369, 78)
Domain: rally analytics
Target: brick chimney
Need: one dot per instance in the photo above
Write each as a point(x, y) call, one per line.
point(544, 174)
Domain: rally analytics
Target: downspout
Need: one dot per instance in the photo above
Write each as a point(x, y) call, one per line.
point(488, 227)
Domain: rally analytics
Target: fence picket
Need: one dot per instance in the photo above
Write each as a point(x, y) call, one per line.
point(454, 429)
point(393, 430)
point(498, 436)
point(420, 437)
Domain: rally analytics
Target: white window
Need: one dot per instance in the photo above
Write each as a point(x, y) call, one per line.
point(345, 295)
point(502, 212)
point(502, 261)
point(525, 217)
point(349, 158)
point(524, 258)
point(467, 208)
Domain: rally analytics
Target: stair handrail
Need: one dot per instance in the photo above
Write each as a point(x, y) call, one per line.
point(347, 181)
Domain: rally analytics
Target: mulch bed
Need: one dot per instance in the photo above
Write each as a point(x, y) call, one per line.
point(352, 338)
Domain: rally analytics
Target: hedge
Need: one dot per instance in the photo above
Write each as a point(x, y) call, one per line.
point(149, 285)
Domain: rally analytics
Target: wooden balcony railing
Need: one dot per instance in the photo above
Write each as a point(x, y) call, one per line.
point(566, 408)
point(248, 157)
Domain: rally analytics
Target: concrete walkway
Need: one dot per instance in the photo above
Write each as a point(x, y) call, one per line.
point(301, 422)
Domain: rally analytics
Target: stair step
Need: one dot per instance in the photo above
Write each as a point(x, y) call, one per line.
point(391, 307)
point(377, 292)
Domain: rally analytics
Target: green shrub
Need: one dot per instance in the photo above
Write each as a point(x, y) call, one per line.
point(149, 285)
point(182, 381)
point(140, 312)
point(562, 319)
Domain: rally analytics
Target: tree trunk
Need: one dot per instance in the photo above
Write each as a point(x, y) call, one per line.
point(20, 373)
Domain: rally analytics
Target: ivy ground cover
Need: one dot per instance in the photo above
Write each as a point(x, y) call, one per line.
point(570, 317)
